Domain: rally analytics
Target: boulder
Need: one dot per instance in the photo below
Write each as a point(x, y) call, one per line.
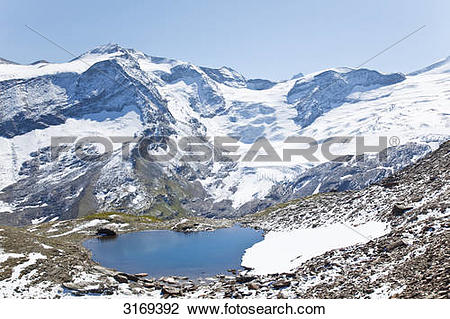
point(73, 286)
point(105, 271)
point(185, 226)
point(253, 286)
point(389, 182)
point(169, 280)
point(149, 284)
point(281, 284)
point(171, 291)
point(242, 279)
point(106, 232)
point(400, 209)
point(121, 278)
point(395, 245)
point(129, 276)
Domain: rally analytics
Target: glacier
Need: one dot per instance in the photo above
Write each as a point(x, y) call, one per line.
point(113, 91)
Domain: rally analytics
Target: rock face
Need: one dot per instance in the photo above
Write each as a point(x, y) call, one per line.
point(352, 174)
point(334, 88)
point(126, 93)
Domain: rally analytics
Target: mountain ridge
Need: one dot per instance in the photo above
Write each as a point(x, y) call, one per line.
point(124, 92)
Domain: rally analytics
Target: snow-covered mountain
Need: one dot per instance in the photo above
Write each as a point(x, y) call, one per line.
point(112, 91)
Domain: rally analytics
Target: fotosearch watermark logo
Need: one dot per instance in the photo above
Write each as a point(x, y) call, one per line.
point(221, 148)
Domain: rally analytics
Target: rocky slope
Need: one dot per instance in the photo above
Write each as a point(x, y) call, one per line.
point(111, 91)
point(409, 260)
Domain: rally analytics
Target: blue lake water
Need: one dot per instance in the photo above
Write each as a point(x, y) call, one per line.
point(164, 252)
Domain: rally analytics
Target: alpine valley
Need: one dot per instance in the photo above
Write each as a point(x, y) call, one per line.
point(366, 226)
point(111, 91)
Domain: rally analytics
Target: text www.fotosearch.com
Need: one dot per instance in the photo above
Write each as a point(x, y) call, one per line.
point(238, 309)
point(224, 309)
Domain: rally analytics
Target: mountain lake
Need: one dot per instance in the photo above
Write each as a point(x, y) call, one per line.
point(164, 252)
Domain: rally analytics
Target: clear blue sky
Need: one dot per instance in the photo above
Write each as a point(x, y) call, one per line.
point(267, 39)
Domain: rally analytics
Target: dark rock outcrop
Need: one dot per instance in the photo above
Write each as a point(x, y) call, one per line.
point(106, 232)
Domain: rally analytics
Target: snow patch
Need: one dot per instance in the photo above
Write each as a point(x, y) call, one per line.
point(5, 208)
point(5, 256)
point(92, 223)
point(37, 221)
point(282, 251)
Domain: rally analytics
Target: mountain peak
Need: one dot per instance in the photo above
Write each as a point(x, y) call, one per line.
point(225, 75)
point(107, 49)
point(297, 76)
point(110, 48)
